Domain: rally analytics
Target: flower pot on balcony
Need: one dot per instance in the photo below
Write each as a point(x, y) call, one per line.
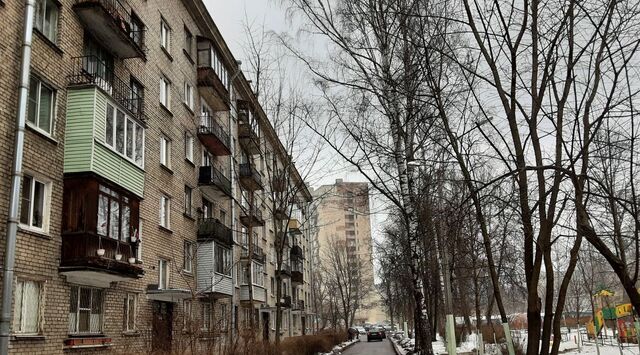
point(118, 257)
point(100, 252)
point(132, 260)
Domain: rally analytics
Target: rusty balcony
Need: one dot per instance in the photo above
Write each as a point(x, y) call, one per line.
point(213, 136)
point(250, 178)
point(213, 181)
point(213, 229)
point(252, 217)
point(111, 22)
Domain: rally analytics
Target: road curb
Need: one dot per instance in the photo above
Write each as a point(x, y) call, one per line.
point(351, 344)
point(396, 349)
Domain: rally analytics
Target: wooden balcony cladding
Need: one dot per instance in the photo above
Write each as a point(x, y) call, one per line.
point(111, 22)
point(213, 136)
point(252, 217)
point(248, 132)
point(98, 215)
point(213, 229)
point(213, 76)
point(213, 179)
point(294, 226)
point(250, 178)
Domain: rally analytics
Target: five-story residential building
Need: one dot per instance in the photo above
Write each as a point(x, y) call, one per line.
point(144, 191)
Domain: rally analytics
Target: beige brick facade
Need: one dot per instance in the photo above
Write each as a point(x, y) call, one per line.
point(39, 253)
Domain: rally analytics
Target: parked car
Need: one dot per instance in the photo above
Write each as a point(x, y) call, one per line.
point(361, 330)
point(375, 333)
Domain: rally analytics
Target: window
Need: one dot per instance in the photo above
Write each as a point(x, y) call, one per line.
point(47, 19)
point(26, 309)
point(41, 110)
point(187, 200)
point(206, 316)
point(188, 42)
point(223, 260)
point(207, 208)
point(188, 146)
point(165, 92)
point(258, 275)
point(137, 30)
point(114, 215)
point(85, 311)
point(137, 93)
point(273, 286)
point(188, 95)
point(187, 305)
point(124, 135)
point(130, 312)
point(165, 211)
point(165, 152)
point(188, 257)
point(206, 157)
point(165, 35)
point(34, 203)
point(139, 248)
point(223, 316)
point(163, 274)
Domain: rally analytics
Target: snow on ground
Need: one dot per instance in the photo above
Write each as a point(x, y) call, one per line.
point(338, 349)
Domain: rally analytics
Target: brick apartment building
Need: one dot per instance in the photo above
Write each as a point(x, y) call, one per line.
point(145, 203)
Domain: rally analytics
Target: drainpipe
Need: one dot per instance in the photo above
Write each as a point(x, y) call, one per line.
point(233, 130)
point(16, 177)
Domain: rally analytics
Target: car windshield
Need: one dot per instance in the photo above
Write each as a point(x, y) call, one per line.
point(374, 329)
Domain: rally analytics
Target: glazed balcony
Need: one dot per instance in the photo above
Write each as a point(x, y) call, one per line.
point(111, 22)
point(212, 229)
point(294, 226)
point(213, 182)
point(213, 77)
point(251, 217)
point(91, 71)
point(250, 178)
point(248, 132)
point(213, 136)
point(259, 294)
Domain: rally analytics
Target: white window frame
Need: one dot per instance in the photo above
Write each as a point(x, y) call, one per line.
point(187, 310)
point(131, 297)
point(165, 151)
point(52, 111)
point(77, 317)
point(165, 92)
point(188, 146)
point(110, 141)
point(189, 253)
point(18, 323)
point(46, 198)
point(165, 211)
point(163, 274)
point(165, 34)
point(206, 316)
point(188, 95)
point(41, 18)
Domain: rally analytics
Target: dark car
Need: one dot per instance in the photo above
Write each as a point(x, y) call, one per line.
point(375, 333)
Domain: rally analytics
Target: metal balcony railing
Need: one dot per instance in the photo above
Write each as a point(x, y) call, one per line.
point(121, 15)
point(91, 70)
point(212, 228)
point(209, 175)
point(208, 125)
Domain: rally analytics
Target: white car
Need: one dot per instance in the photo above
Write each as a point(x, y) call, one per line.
point(361, 330)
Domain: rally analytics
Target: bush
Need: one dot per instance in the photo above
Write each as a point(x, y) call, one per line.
point(324, 341)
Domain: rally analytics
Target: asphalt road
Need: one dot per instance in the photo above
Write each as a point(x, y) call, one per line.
point(373, 348)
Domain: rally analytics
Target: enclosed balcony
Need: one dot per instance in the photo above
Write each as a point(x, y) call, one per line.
point(213, 229)
point(248, 131)
point(99, 232)
point(251, 217)
point(213, 182)
point(213, 76)
point(111, 22)
point(259, 294)
point(250, 178)
point(214, 276)
point(213, 136)
point(90, 70)
point(297, 275)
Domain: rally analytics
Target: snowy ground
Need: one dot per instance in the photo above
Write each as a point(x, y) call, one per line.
point(338, 349)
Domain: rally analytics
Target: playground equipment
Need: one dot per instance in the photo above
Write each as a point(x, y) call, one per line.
point(622, 316)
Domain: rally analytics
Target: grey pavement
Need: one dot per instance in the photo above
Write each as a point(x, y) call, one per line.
point(376, 347)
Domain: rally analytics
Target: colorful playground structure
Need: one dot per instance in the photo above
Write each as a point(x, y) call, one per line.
point(621, 316)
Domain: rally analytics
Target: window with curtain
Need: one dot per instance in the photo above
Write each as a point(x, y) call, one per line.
point(85, 310)
point(26, 310)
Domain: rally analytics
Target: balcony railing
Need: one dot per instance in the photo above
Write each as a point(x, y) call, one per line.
point(298, 305)
point(285, 302)
point(251, 216)
point(208, 175)
point(90, 70)
point(213, 136)
point(285, 269)
point(257, 255)
point(250, 177)
point(212, 228)
point(110, 21)
point(248, 132)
